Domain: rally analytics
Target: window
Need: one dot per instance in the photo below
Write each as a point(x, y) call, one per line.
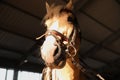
point(24, 75)
point(8, 74)
point(2, 74)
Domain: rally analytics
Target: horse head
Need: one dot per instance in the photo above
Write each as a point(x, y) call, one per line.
point(61, 36)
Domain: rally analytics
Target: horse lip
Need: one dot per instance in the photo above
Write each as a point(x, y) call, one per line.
point(54, 65)
point(59, 61)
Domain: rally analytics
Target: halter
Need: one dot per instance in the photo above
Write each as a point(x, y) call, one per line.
point(70, 43)
point(64, 45)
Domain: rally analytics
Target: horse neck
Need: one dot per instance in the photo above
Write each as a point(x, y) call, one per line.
point(68, 72)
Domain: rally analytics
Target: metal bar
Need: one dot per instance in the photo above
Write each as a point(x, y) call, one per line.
point(6, 74)
point(13, 64)
point(14, 33)
point(103, 44)
point(91, 17)
point(26, 12)
point(15, 76)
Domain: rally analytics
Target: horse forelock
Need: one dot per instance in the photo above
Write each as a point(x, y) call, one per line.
point(58, 10)
point(53, 10)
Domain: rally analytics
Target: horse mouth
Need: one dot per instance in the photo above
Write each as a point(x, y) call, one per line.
point(56, 64)
point(53, 52)
point(58, 60)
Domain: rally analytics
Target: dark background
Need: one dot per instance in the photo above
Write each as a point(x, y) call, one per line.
point(99, 22)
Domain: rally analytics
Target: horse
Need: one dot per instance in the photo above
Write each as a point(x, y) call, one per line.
point(60, 49)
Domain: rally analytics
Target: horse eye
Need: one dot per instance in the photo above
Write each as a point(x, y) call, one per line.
point(70, 19)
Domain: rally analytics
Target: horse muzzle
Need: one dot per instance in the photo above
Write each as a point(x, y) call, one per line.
point(53, 53)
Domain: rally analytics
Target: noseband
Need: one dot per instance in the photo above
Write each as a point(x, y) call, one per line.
point(63, 41)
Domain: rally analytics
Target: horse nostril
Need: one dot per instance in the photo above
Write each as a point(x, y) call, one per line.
point(56, 51)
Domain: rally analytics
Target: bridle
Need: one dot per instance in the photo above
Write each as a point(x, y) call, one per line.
point(64, 49)
point(65, 45)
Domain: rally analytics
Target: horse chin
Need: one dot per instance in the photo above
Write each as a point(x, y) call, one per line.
point(59, 65)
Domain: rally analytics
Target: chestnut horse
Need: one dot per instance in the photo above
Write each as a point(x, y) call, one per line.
point(61, 46)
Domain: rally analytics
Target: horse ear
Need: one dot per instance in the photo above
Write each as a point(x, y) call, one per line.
point(47, 7)
point(69, 5)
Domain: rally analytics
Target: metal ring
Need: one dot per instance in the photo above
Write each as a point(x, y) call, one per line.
point(71, 45)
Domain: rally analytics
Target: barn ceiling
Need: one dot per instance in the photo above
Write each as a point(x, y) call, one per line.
point(99, 22)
